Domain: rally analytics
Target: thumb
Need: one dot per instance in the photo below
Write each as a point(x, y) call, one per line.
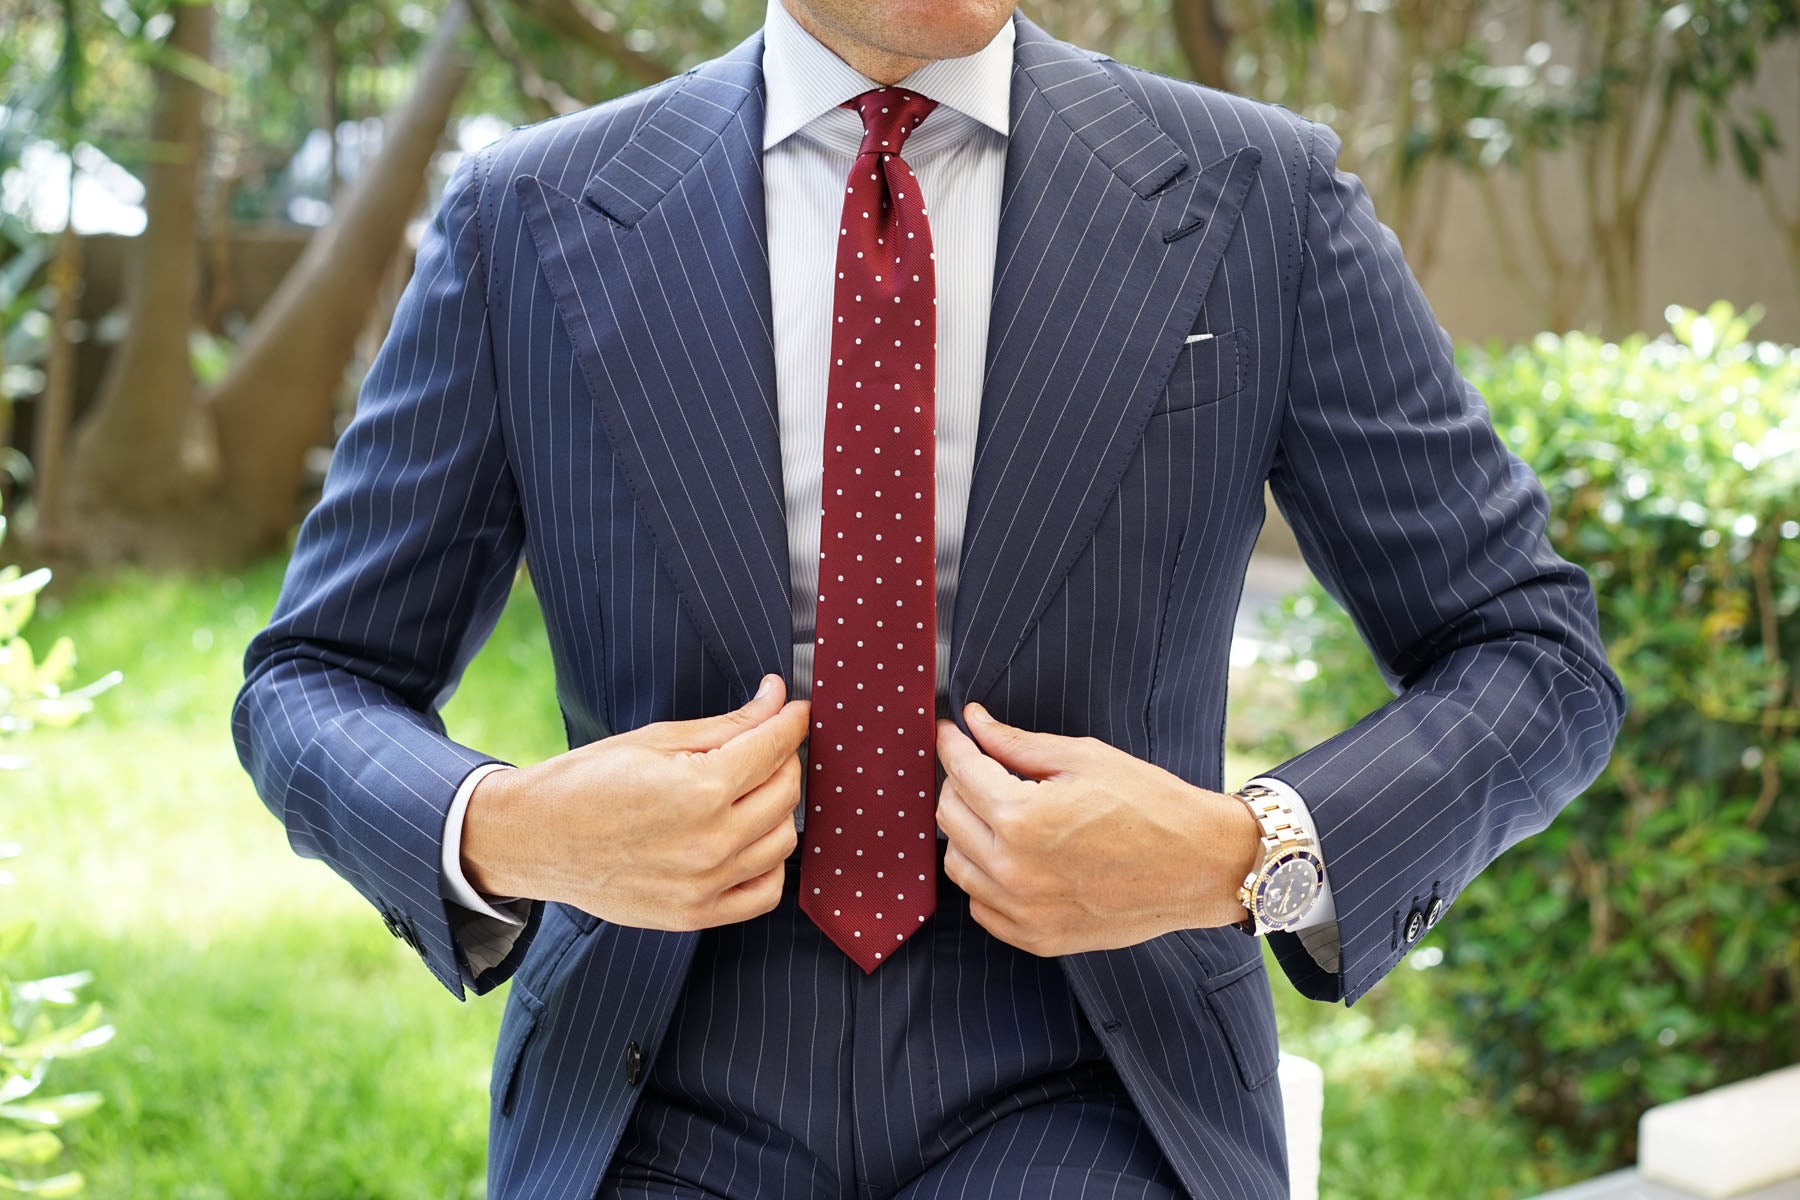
point(1026, 752)
point(709, 733)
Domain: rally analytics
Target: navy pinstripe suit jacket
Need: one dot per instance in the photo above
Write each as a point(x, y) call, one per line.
point(580, 371)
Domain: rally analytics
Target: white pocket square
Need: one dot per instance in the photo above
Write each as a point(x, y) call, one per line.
point(1197, 337)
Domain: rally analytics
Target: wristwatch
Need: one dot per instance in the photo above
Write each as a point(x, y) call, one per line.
point(1286, 883)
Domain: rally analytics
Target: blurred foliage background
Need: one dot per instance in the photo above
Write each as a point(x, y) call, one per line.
point(1647, 945)
point(207, 209)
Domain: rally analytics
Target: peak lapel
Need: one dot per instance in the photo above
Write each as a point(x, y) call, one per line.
point(660, 272)
point(1109, 236)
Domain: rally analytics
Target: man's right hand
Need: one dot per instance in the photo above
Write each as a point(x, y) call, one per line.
point(675, 825)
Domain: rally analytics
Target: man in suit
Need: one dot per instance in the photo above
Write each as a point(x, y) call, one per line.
point(753, 951)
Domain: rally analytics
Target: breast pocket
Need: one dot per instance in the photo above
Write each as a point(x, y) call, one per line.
point(1205, 372)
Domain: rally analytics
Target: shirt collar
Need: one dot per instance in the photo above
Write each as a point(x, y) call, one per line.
point(805, 79)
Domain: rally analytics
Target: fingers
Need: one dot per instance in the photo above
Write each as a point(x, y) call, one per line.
point(964, 761)
point(752, 898)
point(1032, 754)
point(961, 823)
point(1000, 925)
point(766, 851)
point(989, 903)
point(709, 733)
point(754, 754)
point(971, 876)
point(769, 805)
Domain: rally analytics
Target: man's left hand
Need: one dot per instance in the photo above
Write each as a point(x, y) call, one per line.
point(1093, 850)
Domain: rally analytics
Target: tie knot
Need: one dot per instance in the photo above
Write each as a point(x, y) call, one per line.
point(889, 114)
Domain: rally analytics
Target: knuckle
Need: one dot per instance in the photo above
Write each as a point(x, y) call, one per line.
point(1004, 870)
point(1025, 935)
point(1007, 826)
point(713, 849)
point(691, 785)
point(791, 778)
point(1021, 831)
point(694, 894)
point(963, 878)
point(716, 790)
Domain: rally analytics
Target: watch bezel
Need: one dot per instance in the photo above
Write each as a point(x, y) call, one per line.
point(1259, 907)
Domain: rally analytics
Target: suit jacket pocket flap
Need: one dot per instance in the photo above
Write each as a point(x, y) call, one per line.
point(1205, 372)
point(524, 1012)
point(1240, 1002)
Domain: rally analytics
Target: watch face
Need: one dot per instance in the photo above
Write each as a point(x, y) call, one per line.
point(1289, 888)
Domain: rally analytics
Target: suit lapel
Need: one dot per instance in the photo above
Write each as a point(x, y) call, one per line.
point(660, 272)
point(1109, 236)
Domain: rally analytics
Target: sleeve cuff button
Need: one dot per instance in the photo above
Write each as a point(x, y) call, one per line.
point(1415, 926)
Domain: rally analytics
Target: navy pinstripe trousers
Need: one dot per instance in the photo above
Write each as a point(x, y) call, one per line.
point(962, 1067)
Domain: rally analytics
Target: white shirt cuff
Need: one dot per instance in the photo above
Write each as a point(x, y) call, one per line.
point(1318, 932)
point(460, 889)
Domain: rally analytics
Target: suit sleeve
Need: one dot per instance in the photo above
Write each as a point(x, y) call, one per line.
point(1431, 534)
point(396, 579)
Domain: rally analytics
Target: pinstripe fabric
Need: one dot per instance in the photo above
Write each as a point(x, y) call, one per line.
point(789, 1072)
point(580, 371)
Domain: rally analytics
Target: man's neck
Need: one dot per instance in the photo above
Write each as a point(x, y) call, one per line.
point(878, 64)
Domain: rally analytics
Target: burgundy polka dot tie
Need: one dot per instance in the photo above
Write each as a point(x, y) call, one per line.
point(868, 873)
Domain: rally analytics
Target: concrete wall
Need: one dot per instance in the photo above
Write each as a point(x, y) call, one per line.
point(1709, 236)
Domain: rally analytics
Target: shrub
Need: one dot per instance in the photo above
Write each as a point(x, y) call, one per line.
point(1647, 945)
point(41, 1020)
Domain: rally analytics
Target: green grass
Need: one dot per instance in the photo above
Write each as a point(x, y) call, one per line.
point(274, 1040)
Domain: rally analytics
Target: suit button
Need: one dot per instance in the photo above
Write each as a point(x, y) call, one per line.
point(1415, 925)
point(393, 926)
point(1435, 913)
point(634, 1063)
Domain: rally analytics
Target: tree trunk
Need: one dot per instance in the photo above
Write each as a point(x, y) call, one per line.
point(164, 474)
point(334, 178)
point(1621, 276)
point(277, 400)
point(48, 455)
point(1205, 40)
point(593, 26)
point(137, 450)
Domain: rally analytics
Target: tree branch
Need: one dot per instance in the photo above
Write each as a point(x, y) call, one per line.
point(545, 96)
point(1512, 264)
point(1660, 136)
point(598, 29)
point(1205, 40)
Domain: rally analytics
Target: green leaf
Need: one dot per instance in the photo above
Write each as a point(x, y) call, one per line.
point(55, 1110)
point(67, 1184)
point(1706, 126)
point(24, 586)
point(1749, 154)
point(34, 1149)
